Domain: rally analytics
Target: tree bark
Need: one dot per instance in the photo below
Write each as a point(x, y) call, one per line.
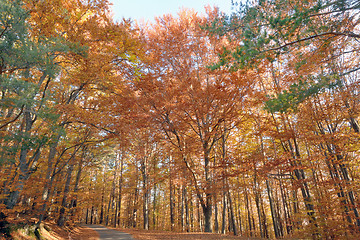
point(61, 219)
point(48, 178)
point(120, 187)
point(216, 220)
point(145, 189)
point(232, 216)
point(172, 218)
point(24, 171)
point(223, 226)
point(154, 207)
point(273, 212)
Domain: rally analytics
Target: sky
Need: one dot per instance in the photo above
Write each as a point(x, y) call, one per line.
point(148, 9)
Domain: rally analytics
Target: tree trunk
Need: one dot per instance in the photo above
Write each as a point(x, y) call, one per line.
point(102, 208)
point(112, 195)
point(223, 226)
point(300, 175)
point(239, 213)
point(186, 211)
point(172, 219)
point(286, 208)
point(199, 216)
point(207, 204)
point(232, 216)
point(146, 210)
point(247, 206)
point(120, 187)
point(87, 216)
point(61, 220)
point(24, 163)
point(182, 208)
point(191, 213)
point(73, 203)
point(49, 179)
point(154, 207)
point(92, 215)
point(264, 223)
point(216, 220)
point(135, 209)
point(257, 202)
point(207, 215)
point(144, 172)
point(273, 212)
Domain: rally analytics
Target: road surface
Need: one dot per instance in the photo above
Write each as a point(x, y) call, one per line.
point(109, 234)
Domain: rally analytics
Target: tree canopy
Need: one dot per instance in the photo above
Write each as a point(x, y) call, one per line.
point(245, 123)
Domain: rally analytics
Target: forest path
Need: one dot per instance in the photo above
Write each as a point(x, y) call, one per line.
point(109, 234)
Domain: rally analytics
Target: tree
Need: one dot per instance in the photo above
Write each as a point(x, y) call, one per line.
point(28, 66)
point(188, 101)
point(52, 64)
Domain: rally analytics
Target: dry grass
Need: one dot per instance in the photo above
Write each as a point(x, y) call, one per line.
point(51, 231)
point(73, 233)
point(23, 227)
point(84, 233)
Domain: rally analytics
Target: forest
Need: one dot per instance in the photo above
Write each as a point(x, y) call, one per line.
point(244, 123)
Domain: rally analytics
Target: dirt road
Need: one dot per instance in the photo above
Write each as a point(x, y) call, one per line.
point(109, 234)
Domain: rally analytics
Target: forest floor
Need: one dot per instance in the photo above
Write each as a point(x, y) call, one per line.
point(74, 233)
point(50, 231)
point(166, 235)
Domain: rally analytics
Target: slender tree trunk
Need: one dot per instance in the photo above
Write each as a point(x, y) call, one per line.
point(129, 212)
point(112, 194)
point(199, 216)
point(146, 210)
point(187, 227)
point(223, 226)
point(207, 203)
point(73, 203)
point(49, 179)
point(285, 208)
point(135, 208)
point(232, 215)
point(96, 215)
point(278, 212)
point(273, 212)
point(87, 216)
point(191, 213)
point(102, 208)
point(92, 215)
point(247, 206)
point(61, 219)
point(108, 211)
point(24, 163)
point(144, 172)
point(239, 213)
point(134, 204)
point(120, 187)
point(154, 207)
point(257, 202)
point(116, 212)
point(300, 175)
point(264, 222)
point(172, 218)
point(216, 220)
point(182, 210)
point(258, 208)
point(56, 193)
